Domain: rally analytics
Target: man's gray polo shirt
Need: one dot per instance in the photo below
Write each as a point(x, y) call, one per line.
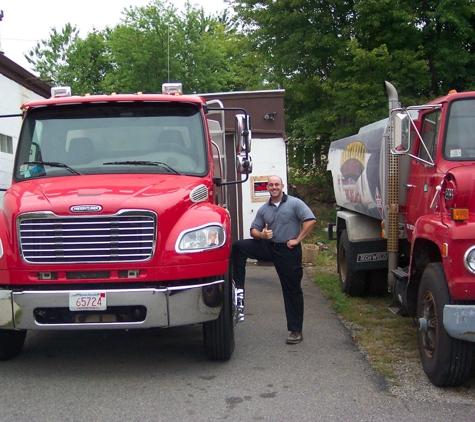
point(285, 220)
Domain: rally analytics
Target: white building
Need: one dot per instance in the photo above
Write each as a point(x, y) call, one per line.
point(268, 152)
point(17, 86)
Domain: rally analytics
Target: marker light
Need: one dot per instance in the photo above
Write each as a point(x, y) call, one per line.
point(174, 88)
point(445, 250)
point(61, 91)
point(459, 214)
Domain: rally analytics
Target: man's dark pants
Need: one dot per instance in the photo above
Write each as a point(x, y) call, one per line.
point(288, 264)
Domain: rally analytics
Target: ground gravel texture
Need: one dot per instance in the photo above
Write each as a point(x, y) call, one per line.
point(411, 382)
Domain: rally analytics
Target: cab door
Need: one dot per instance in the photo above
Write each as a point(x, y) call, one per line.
point(421, 181)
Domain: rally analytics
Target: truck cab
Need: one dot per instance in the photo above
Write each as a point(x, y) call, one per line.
point(406, 218)
point(113, 220)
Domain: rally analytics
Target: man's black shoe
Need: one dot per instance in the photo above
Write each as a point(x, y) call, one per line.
point(294, 338)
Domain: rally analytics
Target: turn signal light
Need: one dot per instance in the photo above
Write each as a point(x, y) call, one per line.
point(459, 214)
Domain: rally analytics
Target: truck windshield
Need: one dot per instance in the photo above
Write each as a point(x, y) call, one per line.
point(112, 138)
point(460, 131)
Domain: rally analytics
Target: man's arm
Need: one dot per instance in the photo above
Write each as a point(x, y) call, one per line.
point(307, 227)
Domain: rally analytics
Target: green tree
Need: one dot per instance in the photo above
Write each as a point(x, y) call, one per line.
point(152, 44)
point(139, 49)
point(50, 57)
point(332, 58)
point(89, 63)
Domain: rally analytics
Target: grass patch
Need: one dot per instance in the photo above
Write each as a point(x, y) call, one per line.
point(385, 338)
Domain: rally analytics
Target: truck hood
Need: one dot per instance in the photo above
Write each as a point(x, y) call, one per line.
point(112, 192)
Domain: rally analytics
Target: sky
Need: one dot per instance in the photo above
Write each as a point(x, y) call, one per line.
point(25, 22)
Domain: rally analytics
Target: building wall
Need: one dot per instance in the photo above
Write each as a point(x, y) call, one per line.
point(268, 158)
point(13, 95)
point(268, 152)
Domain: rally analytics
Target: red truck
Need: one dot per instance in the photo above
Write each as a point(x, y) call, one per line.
point(406, 223)
point(114, 219)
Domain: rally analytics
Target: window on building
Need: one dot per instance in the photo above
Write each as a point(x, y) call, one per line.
point(6, 144)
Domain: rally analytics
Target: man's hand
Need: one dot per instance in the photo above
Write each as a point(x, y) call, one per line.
point(307, 227)
point(267, 234)
point(292, 242)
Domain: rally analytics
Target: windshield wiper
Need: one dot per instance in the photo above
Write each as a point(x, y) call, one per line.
point(142, 163)
point(53, 164)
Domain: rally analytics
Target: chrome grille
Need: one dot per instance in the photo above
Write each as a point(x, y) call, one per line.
point(49, 239)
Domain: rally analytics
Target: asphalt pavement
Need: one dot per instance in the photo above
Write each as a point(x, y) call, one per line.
point(163, 375)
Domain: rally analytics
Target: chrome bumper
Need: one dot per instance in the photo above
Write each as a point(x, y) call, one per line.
point(166, 307)
point(459, 321)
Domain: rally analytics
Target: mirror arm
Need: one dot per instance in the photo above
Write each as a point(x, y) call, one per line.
point(237, 182)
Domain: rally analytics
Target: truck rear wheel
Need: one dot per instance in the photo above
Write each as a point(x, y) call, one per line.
point(351, 282)
point(446, 361)
point(218, 335)
point(11, 343)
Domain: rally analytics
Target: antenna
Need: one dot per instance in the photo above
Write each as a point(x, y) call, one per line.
point(168, 53)
point(1, 17)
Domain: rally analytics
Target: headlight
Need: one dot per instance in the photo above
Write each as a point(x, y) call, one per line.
point(469, 259)
point(201, 238)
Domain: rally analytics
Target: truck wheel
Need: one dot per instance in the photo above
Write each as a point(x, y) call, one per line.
point(446, 361)
point(11, 343)
point(351, 282)
point(218, 335)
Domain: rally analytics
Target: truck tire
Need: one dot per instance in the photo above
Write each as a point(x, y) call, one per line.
point(218, 335)
point(351, 282)
point(446, 361)
point(11, 343)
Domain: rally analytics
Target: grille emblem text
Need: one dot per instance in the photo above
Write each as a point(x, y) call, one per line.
point(85, 208)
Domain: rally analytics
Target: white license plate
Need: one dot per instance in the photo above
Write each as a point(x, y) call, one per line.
point(87, 301)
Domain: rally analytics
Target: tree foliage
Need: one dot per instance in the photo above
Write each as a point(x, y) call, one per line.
point(332, 58)
point(50, 58)
point(151, 45)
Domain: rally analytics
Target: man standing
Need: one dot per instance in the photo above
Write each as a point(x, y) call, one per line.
point(277, 230)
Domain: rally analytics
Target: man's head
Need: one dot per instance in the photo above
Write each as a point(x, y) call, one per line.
point(275, 188)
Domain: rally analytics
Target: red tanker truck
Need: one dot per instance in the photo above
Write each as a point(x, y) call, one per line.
point(405, 189)
point(115, 218)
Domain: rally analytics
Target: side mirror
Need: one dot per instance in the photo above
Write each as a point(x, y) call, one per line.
point(242, 133)
point(401, 139)
point(35, 152)
point(243, 164)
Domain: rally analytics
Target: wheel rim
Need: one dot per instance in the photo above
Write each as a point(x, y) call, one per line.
point(429, 338)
